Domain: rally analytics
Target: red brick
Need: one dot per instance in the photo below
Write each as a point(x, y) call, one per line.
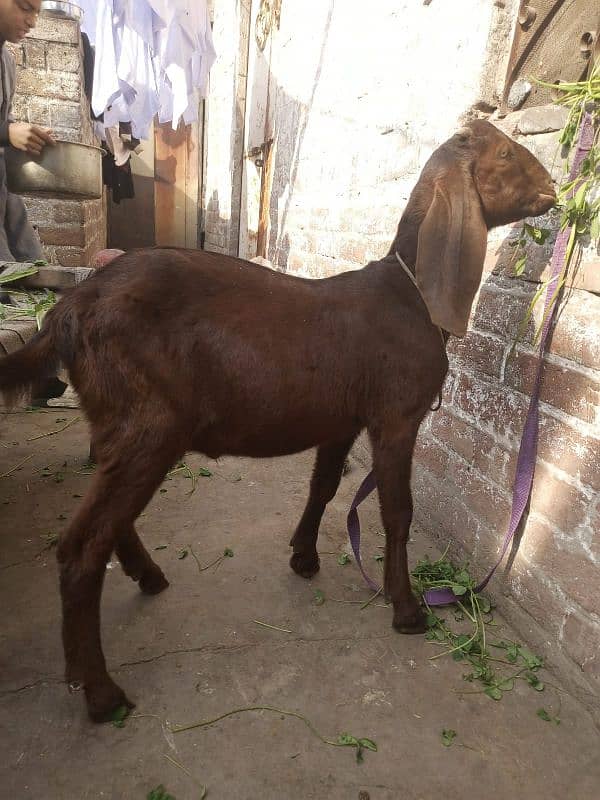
point(487, 502)
point(35, 54)
point(66, 116)
point(570, 570)
point(61, 86)
point(562, 504)
point(441, 511)
point(499, 312)
point(63, 58)
point(488, 405)
point(535, 594)
point(53, 29)
point(475, 446)
point(581, 641)
point(431, 455)
point(574, 452)
point(577, 332)
point(32, 109)
point(70, 256)
point(478, 351)
point(68, 211)
point(454, 433)
point(70, 235)
point(354, 250)
point(494, 460)
point(569, 390)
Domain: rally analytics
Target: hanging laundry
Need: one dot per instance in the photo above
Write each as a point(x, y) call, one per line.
point(151, 57)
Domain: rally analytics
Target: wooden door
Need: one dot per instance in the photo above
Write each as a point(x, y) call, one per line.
point(166, 181)
point(176, 185)
point(259, 140)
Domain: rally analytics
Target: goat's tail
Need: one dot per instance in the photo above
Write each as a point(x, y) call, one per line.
point(41, 356)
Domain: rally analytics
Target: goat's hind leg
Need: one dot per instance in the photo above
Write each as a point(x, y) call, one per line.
point(122, 488)
point(324, 484)
point(138, 564)
point(392, 457)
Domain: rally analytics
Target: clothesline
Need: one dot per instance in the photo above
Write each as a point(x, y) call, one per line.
point(151, 57)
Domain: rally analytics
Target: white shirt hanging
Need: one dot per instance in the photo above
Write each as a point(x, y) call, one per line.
point(152, 57)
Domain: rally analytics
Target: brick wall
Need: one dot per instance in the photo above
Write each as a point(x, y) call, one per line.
point(50, 92)
point(467, 452)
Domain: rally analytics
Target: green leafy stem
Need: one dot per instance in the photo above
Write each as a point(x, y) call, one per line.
point(342, 740)
point(578, 199)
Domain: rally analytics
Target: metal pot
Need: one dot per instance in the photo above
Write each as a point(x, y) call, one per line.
point(68, 170)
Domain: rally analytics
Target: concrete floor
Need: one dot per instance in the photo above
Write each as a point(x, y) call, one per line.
point(194, 653)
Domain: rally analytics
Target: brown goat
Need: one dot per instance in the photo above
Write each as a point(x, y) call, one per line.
point(175, 350)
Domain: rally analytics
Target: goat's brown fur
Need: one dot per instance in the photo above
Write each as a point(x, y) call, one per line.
point(174, 350)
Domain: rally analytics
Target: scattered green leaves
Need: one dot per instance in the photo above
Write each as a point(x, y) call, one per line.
point(27, 304)
point(527, 234)
point(319, 598)
point(227, 553)
point(343, 559)
point(181, 554)
point(185, 470)
point(448, 736)
point(51, 540)
point(118, 716)
point(8, 276)
point(547, 717)
point(161, 547)
point(347, 740)
point(472, 646)
point(160, 793)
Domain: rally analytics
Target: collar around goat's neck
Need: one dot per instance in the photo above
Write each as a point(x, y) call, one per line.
point(444, 334)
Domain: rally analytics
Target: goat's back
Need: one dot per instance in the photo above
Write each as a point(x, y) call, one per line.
point(251, 360)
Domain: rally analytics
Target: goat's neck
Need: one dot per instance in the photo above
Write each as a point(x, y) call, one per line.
point(406, 240)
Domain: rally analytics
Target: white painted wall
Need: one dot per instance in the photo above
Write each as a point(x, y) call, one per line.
point(360, 94)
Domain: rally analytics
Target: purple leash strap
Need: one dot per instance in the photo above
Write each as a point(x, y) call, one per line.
point(528, 448)
point(364, 490)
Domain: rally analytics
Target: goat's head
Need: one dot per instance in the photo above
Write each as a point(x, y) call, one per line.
point(510, 181)
point(476, 180)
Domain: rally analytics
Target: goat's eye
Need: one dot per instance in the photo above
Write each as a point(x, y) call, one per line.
point(504, 153)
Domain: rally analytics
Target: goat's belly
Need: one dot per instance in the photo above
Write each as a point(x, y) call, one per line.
point(267, 439)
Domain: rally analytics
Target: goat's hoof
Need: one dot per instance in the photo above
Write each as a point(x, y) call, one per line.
point(415, 622)
point(104, 700)
point(153, 582)
point(305, 565)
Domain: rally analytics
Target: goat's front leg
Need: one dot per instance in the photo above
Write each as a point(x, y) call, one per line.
point(324, 484)
point(392, 456)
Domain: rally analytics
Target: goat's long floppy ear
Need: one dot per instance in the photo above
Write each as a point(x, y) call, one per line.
point(451, 251)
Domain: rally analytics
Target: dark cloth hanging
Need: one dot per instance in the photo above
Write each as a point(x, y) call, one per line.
point(118, 179)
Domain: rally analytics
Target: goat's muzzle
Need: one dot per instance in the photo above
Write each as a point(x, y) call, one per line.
point(545, 202)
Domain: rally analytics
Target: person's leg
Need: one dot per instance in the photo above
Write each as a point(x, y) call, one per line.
point(23, 240)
